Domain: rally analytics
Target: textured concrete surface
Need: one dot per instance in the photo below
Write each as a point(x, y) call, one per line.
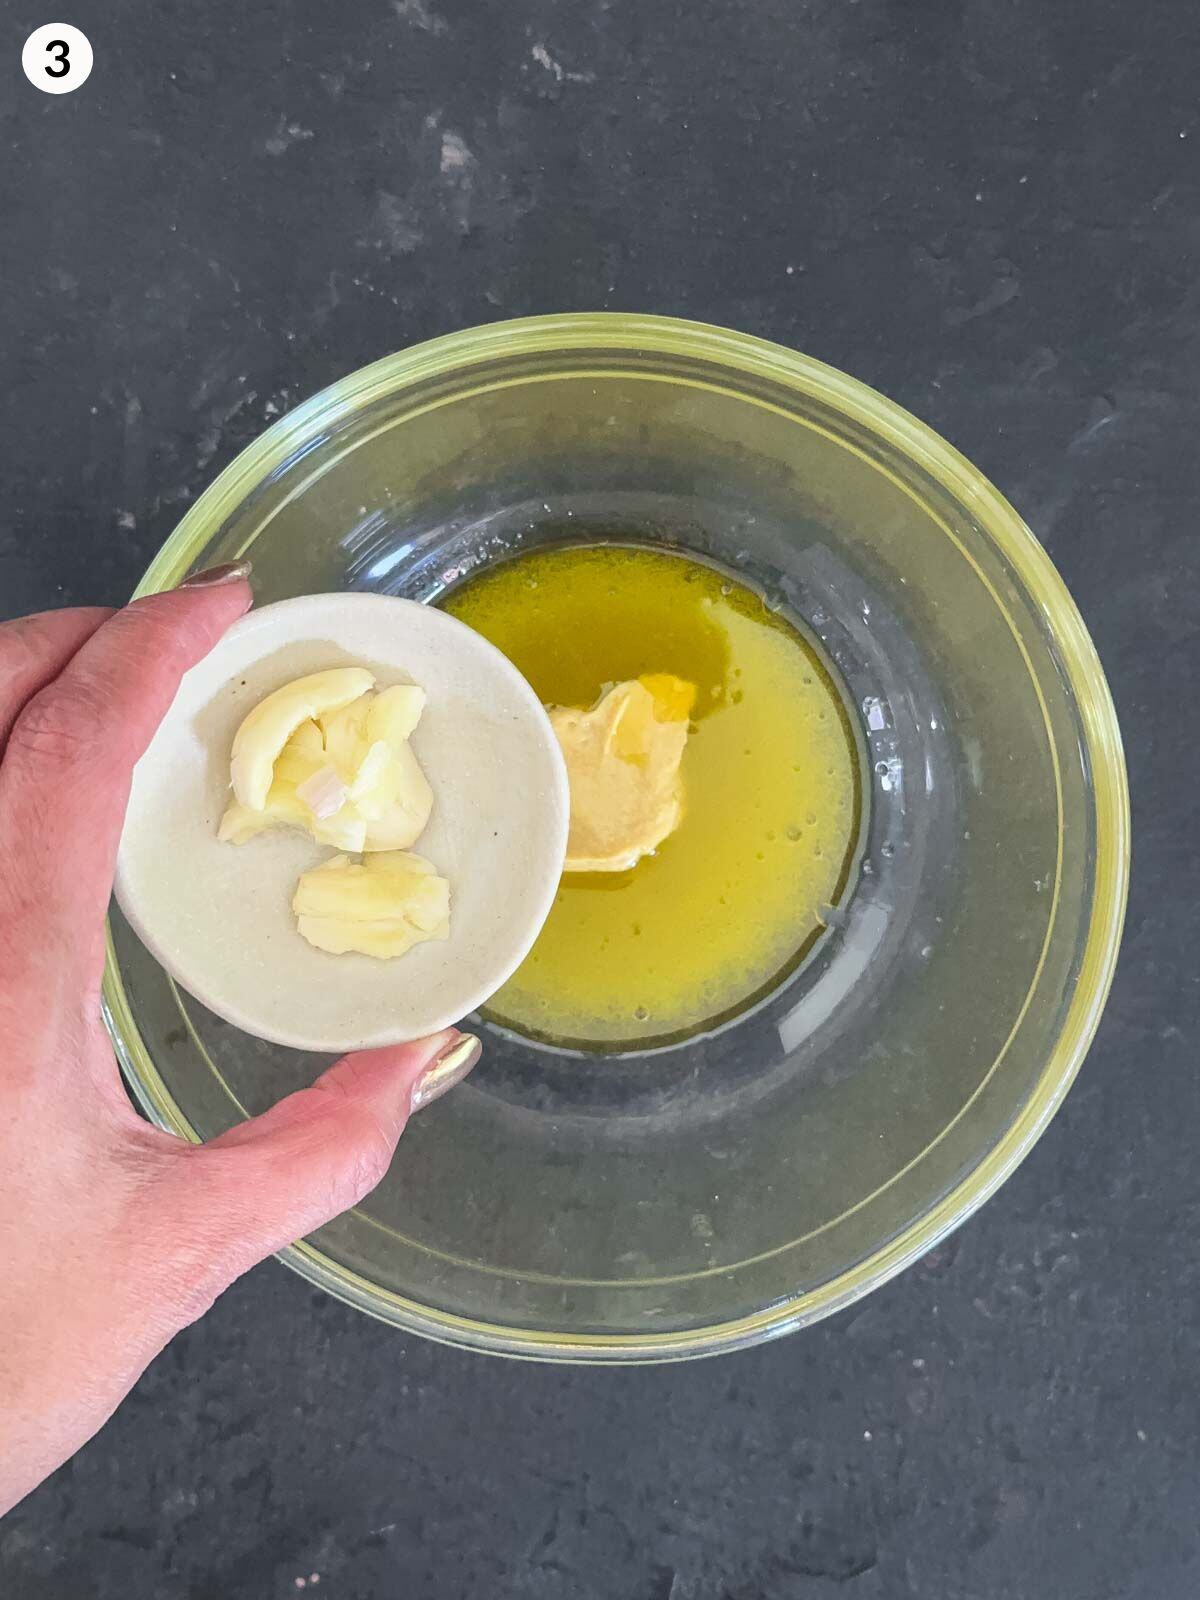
point(991, 212)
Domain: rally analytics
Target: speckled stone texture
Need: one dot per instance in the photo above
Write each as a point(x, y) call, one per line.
point(987, 208)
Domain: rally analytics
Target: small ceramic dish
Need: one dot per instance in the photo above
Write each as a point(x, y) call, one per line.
point(218, 916)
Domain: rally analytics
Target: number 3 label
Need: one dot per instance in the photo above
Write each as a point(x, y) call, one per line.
point(57, 58)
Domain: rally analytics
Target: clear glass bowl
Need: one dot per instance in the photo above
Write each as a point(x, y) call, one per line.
point(716, 1192)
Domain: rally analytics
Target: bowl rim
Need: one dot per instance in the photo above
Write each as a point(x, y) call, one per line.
point(747, 356)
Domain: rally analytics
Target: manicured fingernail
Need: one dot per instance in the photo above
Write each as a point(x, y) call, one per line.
point(448, 1069)
point(228, 572)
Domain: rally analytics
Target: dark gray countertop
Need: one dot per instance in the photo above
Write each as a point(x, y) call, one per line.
point(990, 211)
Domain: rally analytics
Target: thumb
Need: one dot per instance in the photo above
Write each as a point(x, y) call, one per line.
point(270, 1181)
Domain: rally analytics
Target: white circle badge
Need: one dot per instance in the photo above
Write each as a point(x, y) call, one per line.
point(57, 58)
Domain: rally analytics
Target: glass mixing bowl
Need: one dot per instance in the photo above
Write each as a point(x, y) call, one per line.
point(744, 1182)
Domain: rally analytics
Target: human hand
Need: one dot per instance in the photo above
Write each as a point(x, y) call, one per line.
point(113, 1234)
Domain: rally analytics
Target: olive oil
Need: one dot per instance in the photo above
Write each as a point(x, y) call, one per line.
point(771, 774)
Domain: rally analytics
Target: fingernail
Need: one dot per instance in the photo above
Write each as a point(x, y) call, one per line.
point(451, 1067)
point(227, 572)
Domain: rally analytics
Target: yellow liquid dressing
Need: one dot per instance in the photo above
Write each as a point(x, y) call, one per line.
point(771, 773)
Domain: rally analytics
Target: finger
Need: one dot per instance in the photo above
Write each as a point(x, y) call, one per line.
point(34, 650)
point(64, 780)
point(278, 1177)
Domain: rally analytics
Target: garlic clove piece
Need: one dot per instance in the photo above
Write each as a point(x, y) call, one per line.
point(265, 731)
point(403, 822)
point(380, 907)
point(393, 714)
